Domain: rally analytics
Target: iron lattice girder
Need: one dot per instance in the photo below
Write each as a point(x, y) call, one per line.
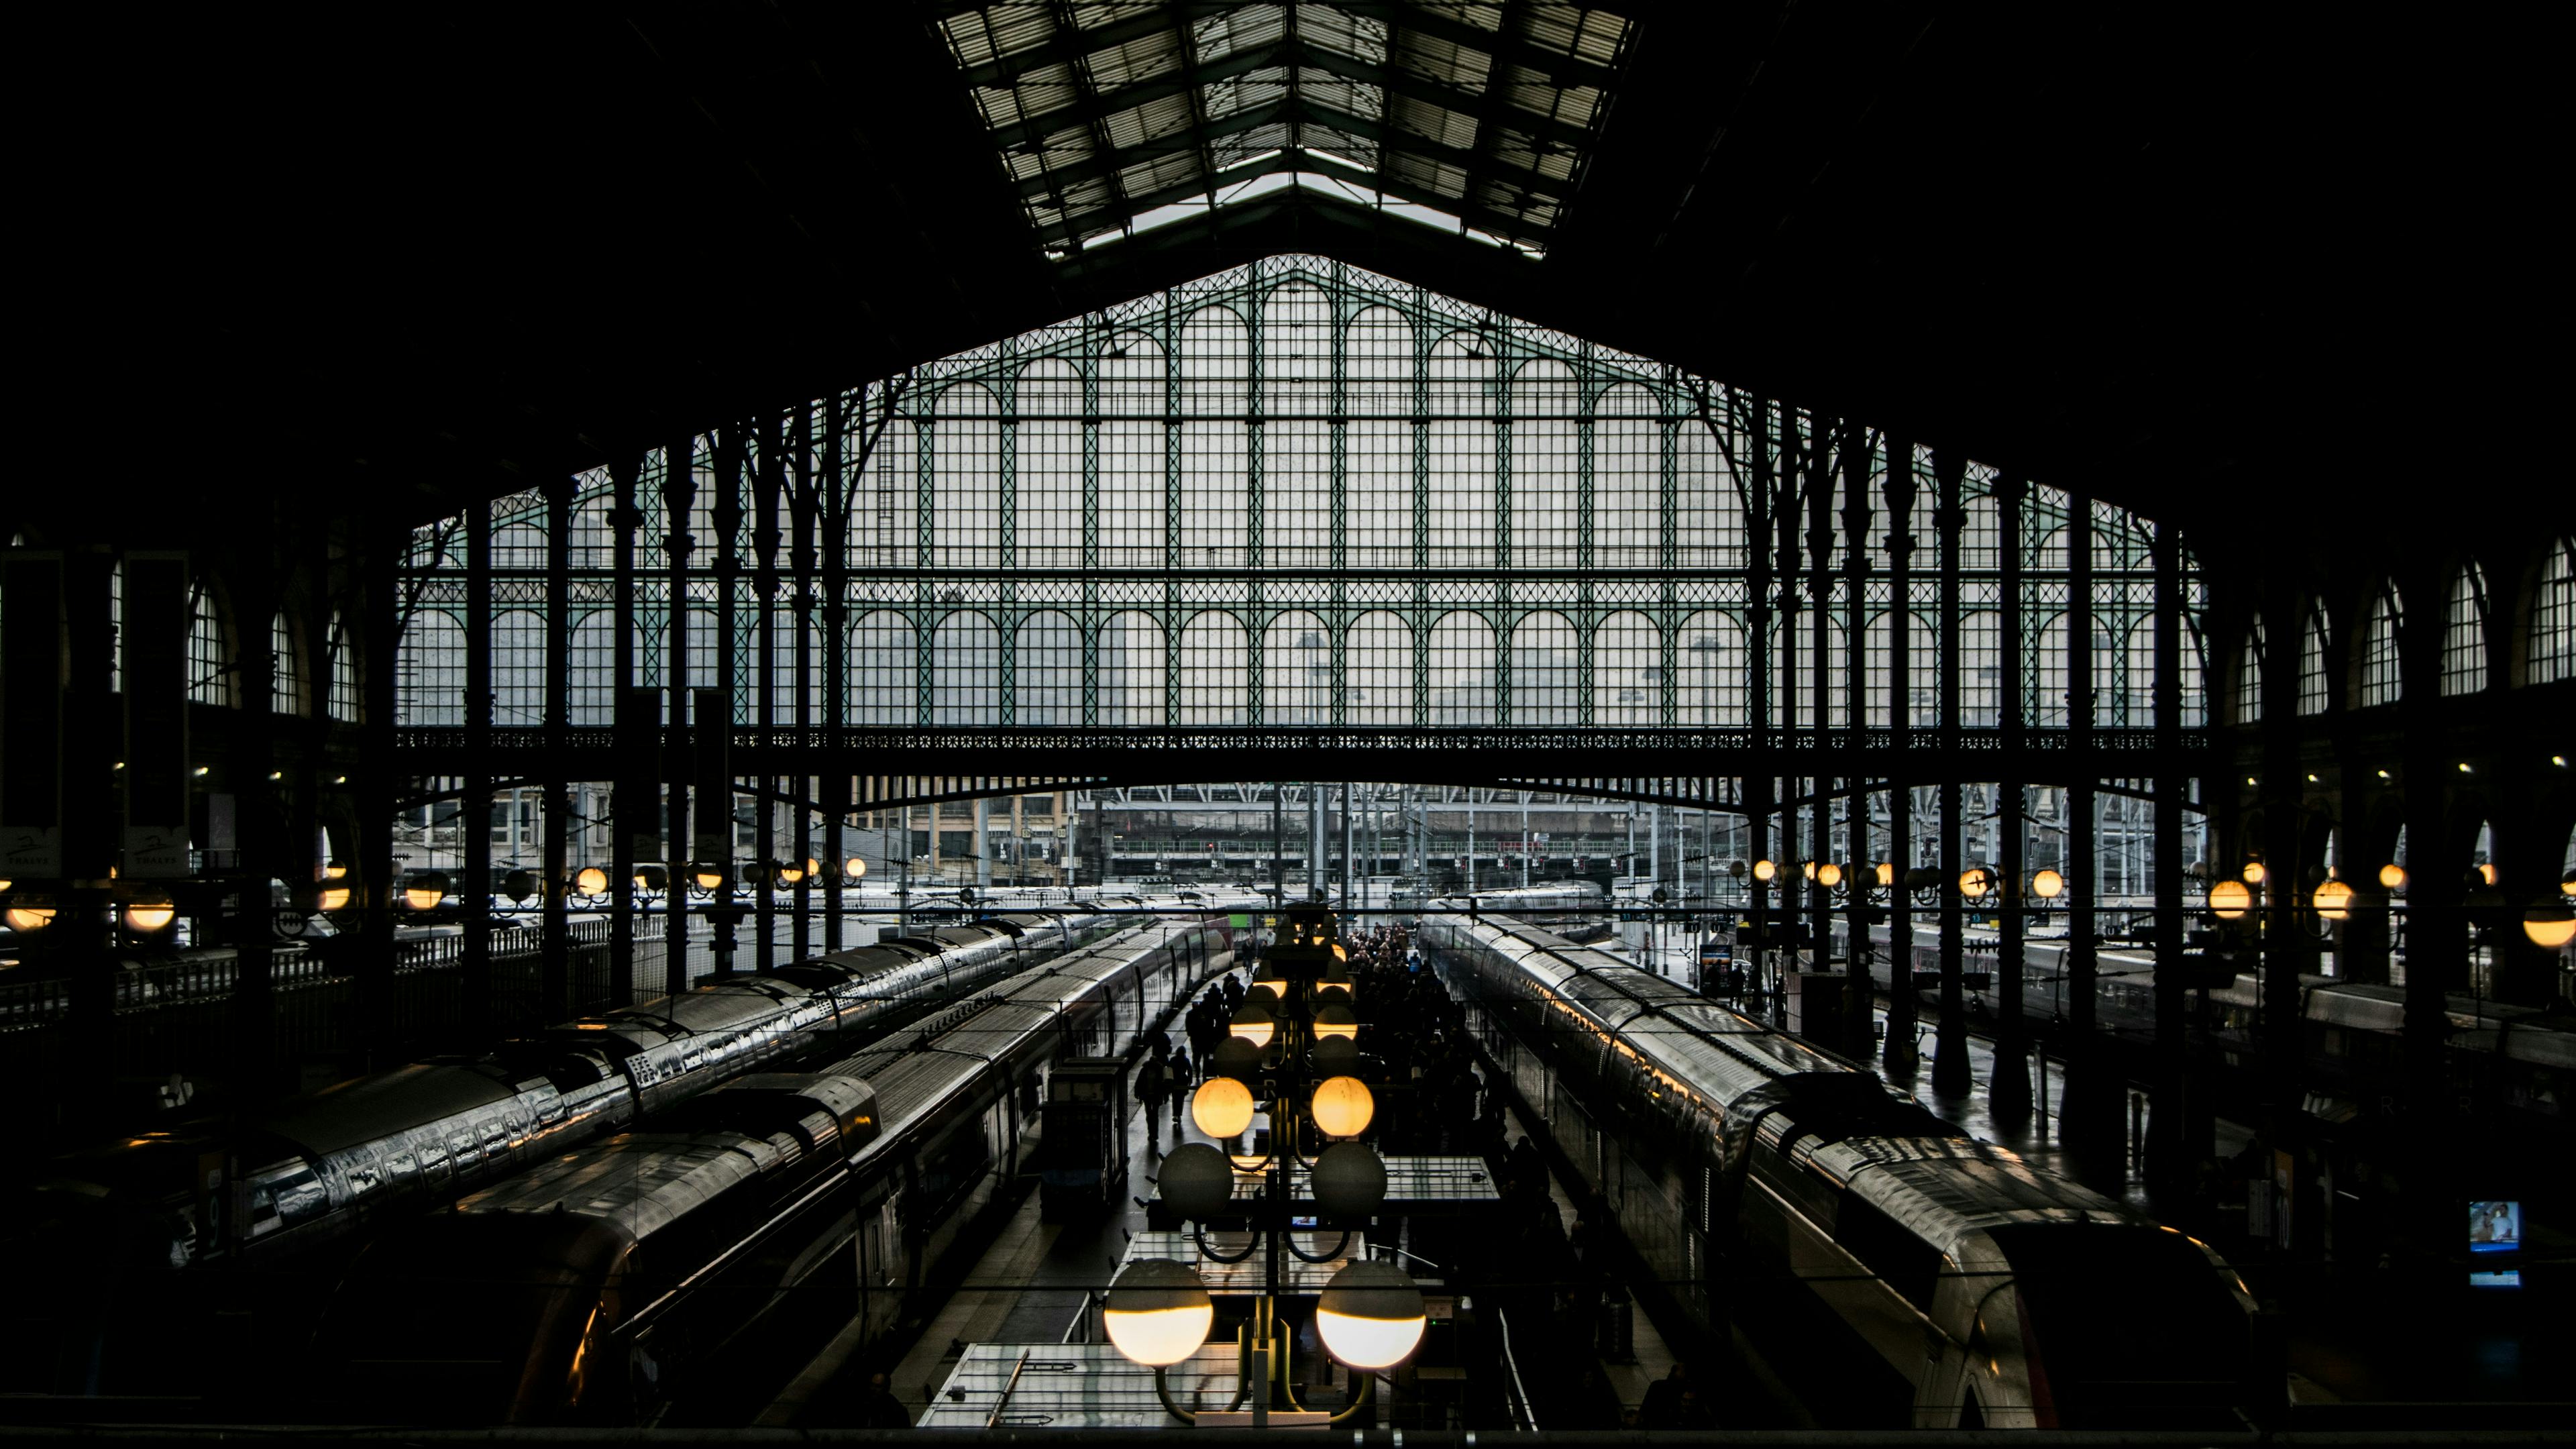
point(1069, 46)
point(1101, 164)
point(1287, 53)
point(1483, 218)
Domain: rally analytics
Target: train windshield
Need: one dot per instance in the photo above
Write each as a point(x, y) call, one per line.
point(2127, 1326)
point(463, 1318)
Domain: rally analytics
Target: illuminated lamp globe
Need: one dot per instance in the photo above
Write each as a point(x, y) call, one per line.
point(788, 872)
point(2487, 873)
point(1350, 1181)
point(1335, 1019)
point(855, 868)
point(1252, 1023)
point(1234, 1057)
point(2393, 877)
point(1158, 1312)
point(2549, 926)
point(1886, 874)
point(1371, 1316)
point(1343, 1106)
point(590, 881)
point(1336, 986)
point(334, 896)
point(425, 890)
point(333, 871)
point(1341, 953)
point(708, 876)
point(1765, 871)
point(1829, 875)
point(1196, 1182)
point(147, 914)
point(30, 913)
point(2048, 885)
point(2333, 901)
point(1976, 881)
point(651, 877)
point(1265, 991)
point(2229, 900)
point(4, 882)
point(1807, 868)
point(2253, 872)
point(1222, 1107)
point(1336, 1057)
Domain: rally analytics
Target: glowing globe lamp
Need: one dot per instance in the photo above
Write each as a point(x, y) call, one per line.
point(1765, 871)
point(591, 880)
point(2229, 900)
point(2393, 877)
point(854, 868)
point(147, 914)
point(334, 896)
point(2333, 901)
point(1343, 1106)
point(2048, 885)
point(1334, 1019)
point(1222, 1107)
point(31, 914)
point(1886, 874)
point(425, 891)
point(1252, 1023)
point(1975, 882)
point(2549, 927)
point(1371, 1316)
point(1158, 1312)
point(2253, 872)
point(1829, 875)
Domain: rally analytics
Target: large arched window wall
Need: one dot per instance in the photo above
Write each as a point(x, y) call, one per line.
point(1296, 495)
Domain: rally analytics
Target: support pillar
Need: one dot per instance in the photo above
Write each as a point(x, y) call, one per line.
point(1951, 1072)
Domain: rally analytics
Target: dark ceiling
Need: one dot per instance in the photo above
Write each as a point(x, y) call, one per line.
point(2215, 263)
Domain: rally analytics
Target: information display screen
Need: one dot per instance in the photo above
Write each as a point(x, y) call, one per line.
point(2495, 1227)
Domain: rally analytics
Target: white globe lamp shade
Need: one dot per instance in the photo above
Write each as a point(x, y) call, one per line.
point(1158, 1312)
point(1344, 1107)
point(2048, 885)
point(1371, 1316)
point(2229, 900)
point(1222, 1107)
point(1252, 1024)
point(2333, 901)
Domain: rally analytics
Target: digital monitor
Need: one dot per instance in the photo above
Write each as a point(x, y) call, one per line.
point(2495, 1227)
point(1302, 1222)
point(2509, 1278)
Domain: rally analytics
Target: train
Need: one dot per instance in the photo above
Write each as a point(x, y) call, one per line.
point(1555, 897)
point(1941, 1281)
point(591, 1289)
point(2351, 1033)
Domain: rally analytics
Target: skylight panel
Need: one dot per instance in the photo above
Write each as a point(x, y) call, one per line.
point(1107, 110)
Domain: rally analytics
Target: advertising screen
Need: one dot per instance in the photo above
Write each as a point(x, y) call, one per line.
point(2495, 1227)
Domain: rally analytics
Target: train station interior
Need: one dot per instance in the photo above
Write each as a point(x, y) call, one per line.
point(780, 723)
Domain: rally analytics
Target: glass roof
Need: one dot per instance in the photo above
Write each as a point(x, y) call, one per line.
point(1116, 116)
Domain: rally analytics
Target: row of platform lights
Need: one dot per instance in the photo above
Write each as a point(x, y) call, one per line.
point(1295, 1038)
point(2546, 922)
point(147, 911)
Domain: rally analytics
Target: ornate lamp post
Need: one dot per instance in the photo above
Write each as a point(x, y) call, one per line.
point(1292, 1044)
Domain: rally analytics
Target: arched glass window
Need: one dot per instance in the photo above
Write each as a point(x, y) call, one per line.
point(1708, 665)
point(1131, 670)
point(519, 666)
point(1216, 670)
point(430, 687)
point(883, 664)
point(1462, 670)
point(1378, 657)
point(210, 664)
point(966, 671)
point(2551, 653)
point(1545, 667)
point(286, 694)
point(1047, 670)
point(1297, 670)
point(2313, 694)
point(2381, 679)
point(2464, 634)
point(1627, 671)
point(115, 624)
point(342, 701)
point(2249, 676)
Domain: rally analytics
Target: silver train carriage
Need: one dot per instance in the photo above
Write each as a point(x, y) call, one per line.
point(1530, 900)
point(1771, 1182)
point(312, 1168)
point(620, 1272)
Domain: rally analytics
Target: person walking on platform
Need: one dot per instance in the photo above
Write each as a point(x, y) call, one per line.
point(1152, 1081)
point(1183, 1078)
